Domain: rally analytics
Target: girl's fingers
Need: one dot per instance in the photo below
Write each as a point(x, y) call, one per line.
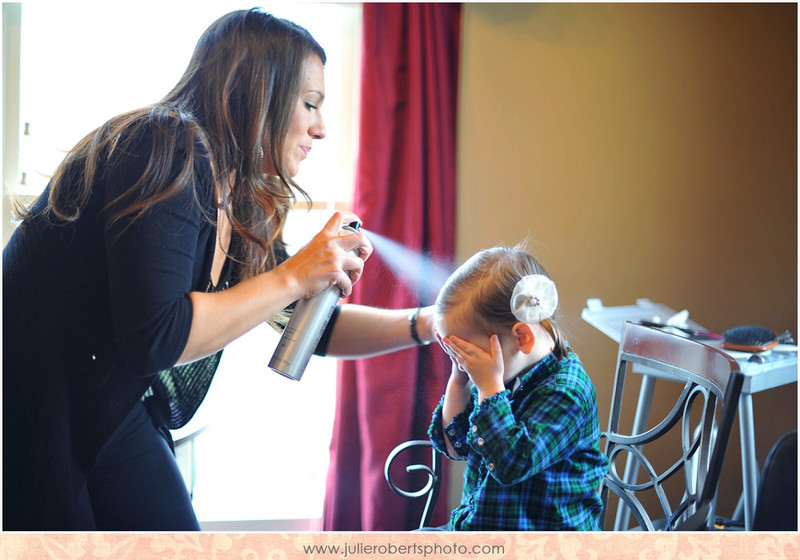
point(451, 348)
point(494, 346)
point(460, 346)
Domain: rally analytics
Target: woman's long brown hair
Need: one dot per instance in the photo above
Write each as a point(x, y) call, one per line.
point(237, 94)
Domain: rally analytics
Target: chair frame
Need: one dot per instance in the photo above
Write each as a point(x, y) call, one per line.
point(711, 378)
point(431, 487)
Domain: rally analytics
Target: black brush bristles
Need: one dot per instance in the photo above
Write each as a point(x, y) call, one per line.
point(749, 338)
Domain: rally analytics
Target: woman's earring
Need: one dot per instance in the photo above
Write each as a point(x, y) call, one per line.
point(260, 152)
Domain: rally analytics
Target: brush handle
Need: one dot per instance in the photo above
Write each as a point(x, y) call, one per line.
point(703, 335)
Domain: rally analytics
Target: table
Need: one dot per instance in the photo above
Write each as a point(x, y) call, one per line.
point(780, 369)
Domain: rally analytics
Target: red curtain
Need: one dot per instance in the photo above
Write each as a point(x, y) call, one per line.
point(405, 191)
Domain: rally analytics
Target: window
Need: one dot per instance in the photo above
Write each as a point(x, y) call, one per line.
point(263, 454)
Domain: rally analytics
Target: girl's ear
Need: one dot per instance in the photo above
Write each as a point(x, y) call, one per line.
point(524, 337)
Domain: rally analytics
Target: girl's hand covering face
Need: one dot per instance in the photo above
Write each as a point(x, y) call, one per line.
point(326, 260)
point(481, 366)
point(458, 371)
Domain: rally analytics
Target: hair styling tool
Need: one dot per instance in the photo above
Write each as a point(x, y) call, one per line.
point(695, 334)
point(749, 338)
point(306, 325)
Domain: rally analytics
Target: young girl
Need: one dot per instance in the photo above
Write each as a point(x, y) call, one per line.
point(519, 407)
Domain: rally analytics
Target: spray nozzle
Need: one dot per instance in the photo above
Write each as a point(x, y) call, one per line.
point(355, 225)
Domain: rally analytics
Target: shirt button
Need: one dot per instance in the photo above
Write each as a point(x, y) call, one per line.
point(480, 441)
point(491, 466)
point(474, 429)
point(457, 444)
point(451, 433)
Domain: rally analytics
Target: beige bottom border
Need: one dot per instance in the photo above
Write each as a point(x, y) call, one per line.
point(397, 546)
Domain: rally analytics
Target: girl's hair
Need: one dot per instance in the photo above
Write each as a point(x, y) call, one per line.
point(238, 94)
point(481, 288)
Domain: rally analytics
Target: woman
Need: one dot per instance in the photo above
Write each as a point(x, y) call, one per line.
point(157, 242)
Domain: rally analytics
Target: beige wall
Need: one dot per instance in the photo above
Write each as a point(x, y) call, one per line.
point(648, 150)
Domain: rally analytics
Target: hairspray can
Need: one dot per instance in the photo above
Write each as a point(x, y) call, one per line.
point(306, 325)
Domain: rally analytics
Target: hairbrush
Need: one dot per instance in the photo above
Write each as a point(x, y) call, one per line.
point(749, 338)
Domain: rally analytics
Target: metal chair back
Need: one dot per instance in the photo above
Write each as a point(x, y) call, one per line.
point(702, 416)
point(430, 490)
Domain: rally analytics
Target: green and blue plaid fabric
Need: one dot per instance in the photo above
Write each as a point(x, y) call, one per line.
point(532, 452)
